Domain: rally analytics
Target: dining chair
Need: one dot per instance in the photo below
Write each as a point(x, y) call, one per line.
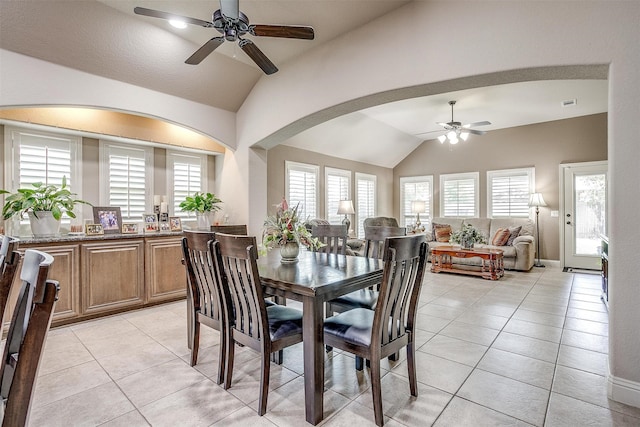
point(9, 259)
point(265, 329)
point(333, 236)
point(376, 334)
point(26, 337)
point(240, 229)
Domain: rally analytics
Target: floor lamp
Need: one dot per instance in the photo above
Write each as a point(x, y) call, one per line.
point(537, 201)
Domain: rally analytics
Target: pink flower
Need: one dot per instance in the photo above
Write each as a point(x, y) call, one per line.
point(284, 205)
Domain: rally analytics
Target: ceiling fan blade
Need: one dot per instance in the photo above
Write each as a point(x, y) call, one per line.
point(204, 51)
point(230, 9)
point(169, 16)
point(447, 126)
point(258, 57)
point(474, 131)
point(287, 31)
point(470, 125)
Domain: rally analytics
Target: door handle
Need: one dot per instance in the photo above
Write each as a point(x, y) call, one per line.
point(568, 222)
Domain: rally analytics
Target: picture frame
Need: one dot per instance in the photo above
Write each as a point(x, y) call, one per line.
point(109, 217)
point(130, 228)
point(94, 230)
point(165, 227)
point(175, 223)
point(149, 217)
point(151, 227)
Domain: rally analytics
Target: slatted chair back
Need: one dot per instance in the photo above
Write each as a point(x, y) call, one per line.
point(9, 259)
point(26, 337)
point(240, 229)
point(333, 236)
point(375, 236)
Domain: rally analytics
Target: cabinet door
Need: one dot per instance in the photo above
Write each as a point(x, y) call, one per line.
point(165, 275)
point(112, 275)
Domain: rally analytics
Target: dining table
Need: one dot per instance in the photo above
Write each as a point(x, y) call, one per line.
point(316, 278)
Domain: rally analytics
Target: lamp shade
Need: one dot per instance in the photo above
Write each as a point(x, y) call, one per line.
point(418, 206)
point(345, 207)
point(536, 199)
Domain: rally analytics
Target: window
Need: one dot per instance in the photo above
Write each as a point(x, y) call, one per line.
point(415, 188)
point(33, 156)
point(459, 195)
point(127, 177)
point(508, 192)
point(365, 200)
point(338, 187)
point(186, 175)
point(301, 184)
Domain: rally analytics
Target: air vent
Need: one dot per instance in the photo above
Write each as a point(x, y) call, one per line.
point(569, 103)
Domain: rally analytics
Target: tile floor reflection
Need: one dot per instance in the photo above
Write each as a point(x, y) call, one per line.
point(529, 349)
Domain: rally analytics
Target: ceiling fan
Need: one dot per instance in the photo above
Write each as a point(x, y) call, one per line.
point(456, 130)
point(233, 24)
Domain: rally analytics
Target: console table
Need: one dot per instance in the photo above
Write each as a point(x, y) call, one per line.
point(492, 267)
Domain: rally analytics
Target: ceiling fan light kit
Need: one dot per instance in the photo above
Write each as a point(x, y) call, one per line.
point(232, 25)
point(456, 131)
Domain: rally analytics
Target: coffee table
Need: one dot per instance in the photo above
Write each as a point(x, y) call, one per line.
point(492, 267)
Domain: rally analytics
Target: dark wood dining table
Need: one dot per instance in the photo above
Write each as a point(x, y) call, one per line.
point(314, 279)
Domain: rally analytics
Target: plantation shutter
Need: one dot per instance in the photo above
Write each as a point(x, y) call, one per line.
point(187, 180)
point(45, 159)
point(365, 199)
point(338, 183)
point(412, 189)
point(302, 189)
point(509, 193)
point(459, 195)
point(127, 185)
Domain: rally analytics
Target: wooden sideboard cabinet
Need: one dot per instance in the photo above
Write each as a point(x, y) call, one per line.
point(165, 276)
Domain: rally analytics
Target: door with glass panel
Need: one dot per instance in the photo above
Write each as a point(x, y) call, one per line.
point(584, 220)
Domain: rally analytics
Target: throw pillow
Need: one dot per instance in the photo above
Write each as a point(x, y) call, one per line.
point(501, 237)
point(434, 226)
point(443, 234)
point(513, 233)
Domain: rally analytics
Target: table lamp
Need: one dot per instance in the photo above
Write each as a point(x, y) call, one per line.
point(346, 208)
point(418, 207)
point(537, 200)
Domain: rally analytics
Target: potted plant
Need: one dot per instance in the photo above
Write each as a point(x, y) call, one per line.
point(203, 204)
point(284, 230)
point(44, 204)
point(467, 236)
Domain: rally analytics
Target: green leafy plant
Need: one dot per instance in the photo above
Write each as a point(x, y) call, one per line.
point(284, 227)
point(200, 202)
point(467, 233)
point(50, 198)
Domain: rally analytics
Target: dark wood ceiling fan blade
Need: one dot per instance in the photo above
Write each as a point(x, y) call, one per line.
point(257, 56)
point(230, 9)
point(204, 51)
point(470, 125)
point(286, 31)
point(169, 16)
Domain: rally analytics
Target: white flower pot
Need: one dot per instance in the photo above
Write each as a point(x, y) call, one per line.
point(204, 220)
point(43, 224)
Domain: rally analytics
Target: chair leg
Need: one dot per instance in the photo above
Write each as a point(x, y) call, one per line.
point(264, 384)
point(277, 357)
point(411, 365)
point(222, 355)
point(359, 363)
point(376, 391)
point(229, 362)
point(328, 312)
point(194, 341)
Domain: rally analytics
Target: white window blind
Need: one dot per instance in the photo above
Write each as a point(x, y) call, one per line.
point(187, 175)
point(127, 177)
point(508, 192)
point(459, 195)
point(338, 187)
point(302, 188)
point(411, 189)
point(365, 200)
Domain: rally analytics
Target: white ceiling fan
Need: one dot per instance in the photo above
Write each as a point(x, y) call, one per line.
point(455, 131)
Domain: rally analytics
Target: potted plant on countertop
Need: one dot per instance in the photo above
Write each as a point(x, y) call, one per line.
point(45, 204)
point(203, 204)
point(467, 236)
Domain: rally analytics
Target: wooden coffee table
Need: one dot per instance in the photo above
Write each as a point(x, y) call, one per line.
point(492, 267)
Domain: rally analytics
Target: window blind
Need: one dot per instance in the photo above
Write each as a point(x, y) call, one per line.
point(459, 195)
point(338, 183)
point(187, 180)
point(127, 185)
point(411, 189)
point(302, 189)
point(365, 200)
point(509, 193)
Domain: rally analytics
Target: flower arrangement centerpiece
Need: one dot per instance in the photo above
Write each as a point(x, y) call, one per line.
point(467, 236)
point(284, 230)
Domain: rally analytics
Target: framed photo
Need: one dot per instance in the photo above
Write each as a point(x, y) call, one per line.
point(176, 223)
point(151, 227)
point(94, 229)
point(149, 217)
point(109, 217)
point(165, 227)
point(130, 228)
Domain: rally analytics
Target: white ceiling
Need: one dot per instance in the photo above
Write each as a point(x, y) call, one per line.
point(106, 38)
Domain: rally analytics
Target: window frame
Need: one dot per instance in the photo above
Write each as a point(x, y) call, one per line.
point(528, 171)
point(172, 156)
point(334, 218)
point(475, 176)
point(306, 168)
point(359, 220)
point(426, 219)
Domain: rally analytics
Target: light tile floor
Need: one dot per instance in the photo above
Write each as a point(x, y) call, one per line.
point(530, 349)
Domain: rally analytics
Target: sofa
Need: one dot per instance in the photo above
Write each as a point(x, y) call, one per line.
point(519, 253)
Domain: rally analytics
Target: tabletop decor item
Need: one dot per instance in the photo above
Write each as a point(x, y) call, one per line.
point(44, 204)
point(203, 204)
point(284, 230)
point(467, 236)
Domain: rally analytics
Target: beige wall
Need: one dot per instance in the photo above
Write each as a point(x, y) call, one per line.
point(277, 156)
point(543, 146)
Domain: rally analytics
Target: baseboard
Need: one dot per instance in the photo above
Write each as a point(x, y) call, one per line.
point(623, 391)
point(550, 263)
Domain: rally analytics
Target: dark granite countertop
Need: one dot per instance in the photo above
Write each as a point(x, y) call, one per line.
point(62, 238)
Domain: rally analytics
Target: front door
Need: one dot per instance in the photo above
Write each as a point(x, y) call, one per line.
point(584, 214)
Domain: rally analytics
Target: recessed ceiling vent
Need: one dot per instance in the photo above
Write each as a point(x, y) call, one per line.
point(569, 103)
